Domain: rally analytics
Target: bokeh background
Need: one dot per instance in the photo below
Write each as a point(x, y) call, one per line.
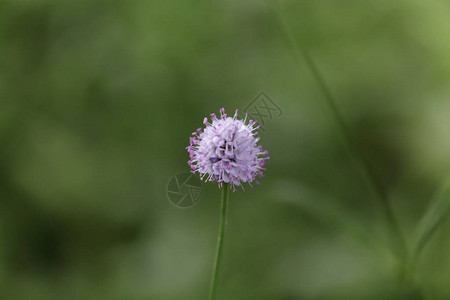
point(97, 102)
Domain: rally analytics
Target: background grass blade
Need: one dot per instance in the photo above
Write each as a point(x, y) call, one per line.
point(300, 53)
point(433, 218)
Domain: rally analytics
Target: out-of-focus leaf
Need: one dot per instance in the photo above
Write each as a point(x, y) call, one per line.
point(325, 210)
point(433, 218)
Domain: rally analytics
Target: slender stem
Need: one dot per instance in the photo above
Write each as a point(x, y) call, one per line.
point(220, 238)
point(300, 54)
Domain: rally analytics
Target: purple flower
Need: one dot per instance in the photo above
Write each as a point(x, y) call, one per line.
point(226, 150)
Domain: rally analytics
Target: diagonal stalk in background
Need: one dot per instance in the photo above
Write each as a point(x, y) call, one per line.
point(300, 53)
point(220, 238)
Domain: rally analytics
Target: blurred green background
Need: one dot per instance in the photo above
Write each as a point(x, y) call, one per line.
point(98, 99)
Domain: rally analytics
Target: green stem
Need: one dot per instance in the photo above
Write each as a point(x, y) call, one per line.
point(300, 54)
point(220, 238)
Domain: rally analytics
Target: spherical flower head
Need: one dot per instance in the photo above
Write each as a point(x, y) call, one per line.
point(226, 150)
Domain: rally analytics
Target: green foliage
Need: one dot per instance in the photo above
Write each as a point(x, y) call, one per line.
point(433, 218)
point(98, 99)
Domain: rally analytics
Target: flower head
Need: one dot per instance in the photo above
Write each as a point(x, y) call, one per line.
point(226, 150)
